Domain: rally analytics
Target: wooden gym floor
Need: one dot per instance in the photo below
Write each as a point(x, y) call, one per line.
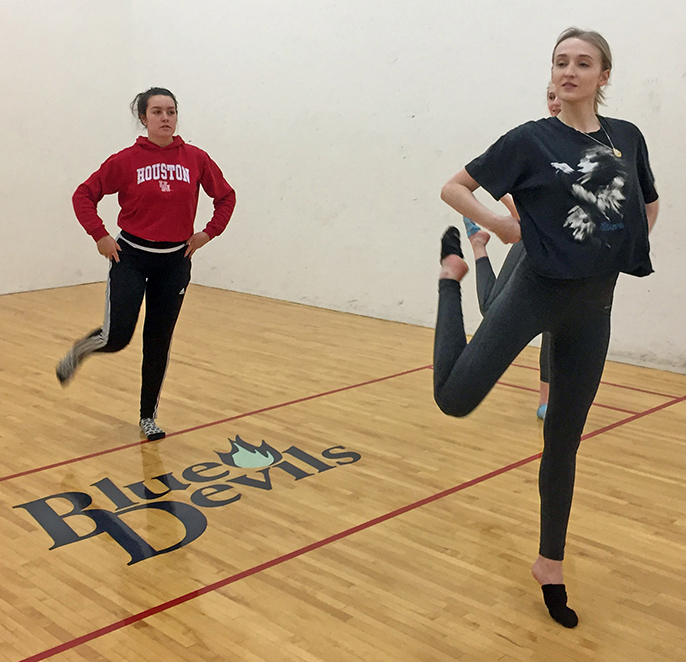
point(376, 530)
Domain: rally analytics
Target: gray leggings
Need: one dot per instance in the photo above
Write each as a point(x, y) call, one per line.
point(489, 287)
point(576, 313)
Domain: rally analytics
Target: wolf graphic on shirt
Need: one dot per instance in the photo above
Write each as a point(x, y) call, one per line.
point(597, 183)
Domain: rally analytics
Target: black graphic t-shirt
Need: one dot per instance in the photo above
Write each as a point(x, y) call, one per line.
point(582, 208)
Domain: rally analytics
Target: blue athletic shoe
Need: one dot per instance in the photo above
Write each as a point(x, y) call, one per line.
point(541, 411)
point(472, 227)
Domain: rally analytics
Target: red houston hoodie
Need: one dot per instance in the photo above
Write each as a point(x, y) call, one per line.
point(158, 191)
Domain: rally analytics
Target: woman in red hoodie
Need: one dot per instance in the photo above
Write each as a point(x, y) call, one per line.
point(157, 180)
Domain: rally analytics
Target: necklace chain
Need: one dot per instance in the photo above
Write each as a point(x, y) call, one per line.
point(615, 151)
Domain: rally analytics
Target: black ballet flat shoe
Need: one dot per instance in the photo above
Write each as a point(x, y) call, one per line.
point(555, 598)
point(450, 243)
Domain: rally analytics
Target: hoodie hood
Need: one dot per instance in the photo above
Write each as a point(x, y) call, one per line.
point(143, 142)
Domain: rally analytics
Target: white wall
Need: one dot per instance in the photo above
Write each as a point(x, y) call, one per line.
point(63, 88)
point(337, 123)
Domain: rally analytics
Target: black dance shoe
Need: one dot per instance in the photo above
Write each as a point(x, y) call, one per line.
point(555, 598)
point(450, 243)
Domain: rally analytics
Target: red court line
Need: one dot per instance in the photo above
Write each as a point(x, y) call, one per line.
point(624, 386)
point(107, 451)
point(135, 618)
point(135, 444)
point(595, 404)
point(147, 613)
point(639, 390)
point(635, 417)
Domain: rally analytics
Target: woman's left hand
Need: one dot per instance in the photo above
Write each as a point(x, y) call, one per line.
point(508, 230)
point(198, 240)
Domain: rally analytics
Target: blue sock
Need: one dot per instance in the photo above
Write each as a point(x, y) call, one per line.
point(471, 226)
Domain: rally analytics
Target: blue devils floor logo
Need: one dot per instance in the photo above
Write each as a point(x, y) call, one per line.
point(71, 517)
point(246, 456)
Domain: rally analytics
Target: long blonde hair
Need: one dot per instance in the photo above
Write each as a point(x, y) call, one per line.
point(597, 40)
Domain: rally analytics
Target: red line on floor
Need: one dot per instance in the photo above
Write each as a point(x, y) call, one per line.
point(639, 390)
point(147, 613)
point(135, 618)
point(624, 386)
point(595, 404)
point(635, 417)
point(135, 444)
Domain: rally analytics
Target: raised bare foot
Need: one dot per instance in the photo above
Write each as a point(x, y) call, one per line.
point(452, 264)
point(480, 238)
point(453, 267)
point(478, 241)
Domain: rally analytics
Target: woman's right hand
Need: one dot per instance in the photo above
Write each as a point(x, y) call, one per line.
point(108, 248)
point(508, 230)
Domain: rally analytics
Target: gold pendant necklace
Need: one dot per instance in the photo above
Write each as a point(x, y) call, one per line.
point(615, 151)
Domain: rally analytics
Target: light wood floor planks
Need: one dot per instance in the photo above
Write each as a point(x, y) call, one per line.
point(384, 531)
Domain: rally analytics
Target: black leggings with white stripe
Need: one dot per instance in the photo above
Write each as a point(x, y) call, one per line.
point(162, 277)
point(576, 313)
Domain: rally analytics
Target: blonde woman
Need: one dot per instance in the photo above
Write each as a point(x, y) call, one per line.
point(586, 198)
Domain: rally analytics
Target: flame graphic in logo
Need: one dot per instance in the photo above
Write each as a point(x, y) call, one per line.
point(246, 456)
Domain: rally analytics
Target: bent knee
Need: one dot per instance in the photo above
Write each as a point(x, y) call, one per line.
point(116, 344)
point(454, 406)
